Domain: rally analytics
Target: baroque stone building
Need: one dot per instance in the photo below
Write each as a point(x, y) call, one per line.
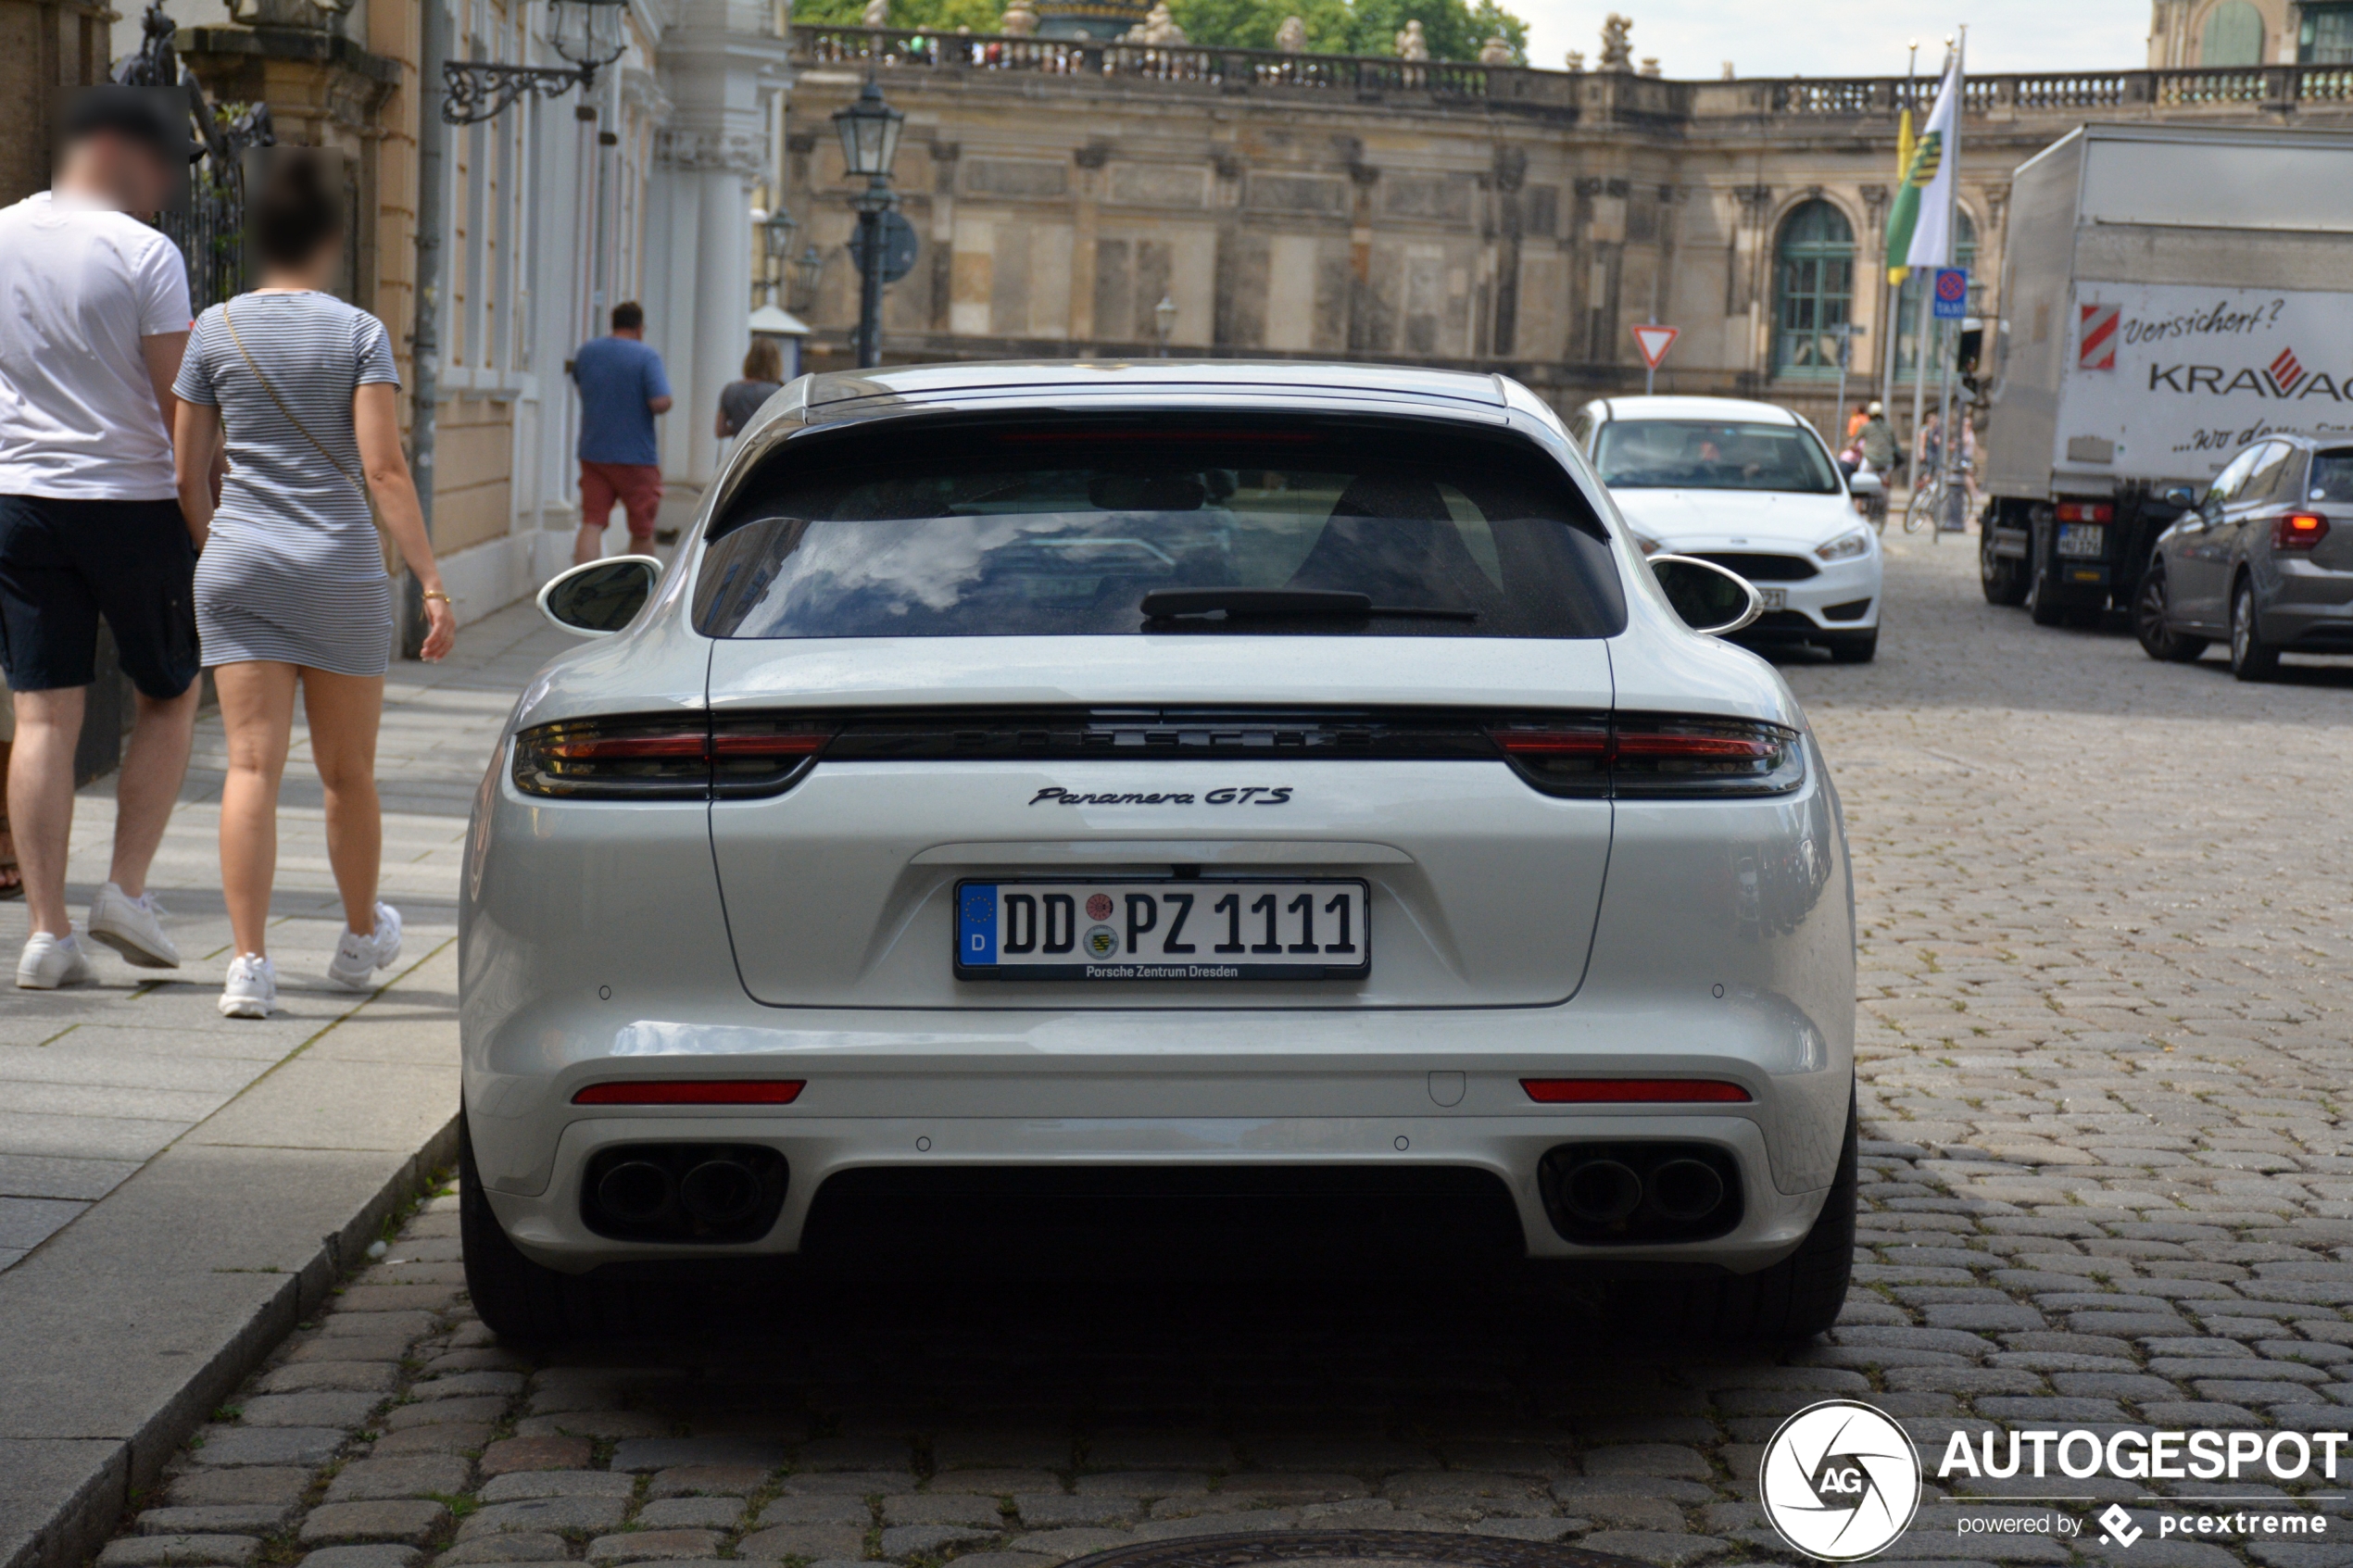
point(2249, 32)
point(1476, 217)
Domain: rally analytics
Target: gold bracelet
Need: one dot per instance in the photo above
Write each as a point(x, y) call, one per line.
point(437, 593)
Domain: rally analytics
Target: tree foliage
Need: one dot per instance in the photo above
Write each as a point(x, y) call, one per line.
point(1454, 29)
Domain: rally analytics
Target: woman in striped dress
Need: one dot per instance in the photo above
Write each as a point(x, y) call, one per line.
point(291, 588)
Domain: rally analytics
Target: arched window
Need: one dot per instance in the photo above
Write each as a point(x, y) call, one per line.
point(2234, 35)
point(1908, 306)
point(1813, 290)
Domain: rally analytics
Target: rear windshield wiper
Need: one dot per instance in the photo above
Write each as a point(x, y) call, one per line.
point(1164, 604)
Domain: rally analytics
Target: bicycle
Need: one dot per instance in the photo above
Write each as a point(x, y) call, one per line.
point(1938, 495)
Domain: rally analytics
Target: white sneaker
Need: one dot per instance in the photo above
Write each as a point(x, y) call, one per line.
point(251, 990)
point(132, 927)
point(51, 961)
point(358, 958)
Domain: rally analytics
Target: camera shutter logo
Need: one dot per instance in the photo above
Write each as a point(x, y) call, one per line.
point(1841, 1481)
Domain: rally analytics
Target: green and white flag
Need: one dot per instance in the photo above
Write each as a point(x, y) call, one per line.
point(1919, 221)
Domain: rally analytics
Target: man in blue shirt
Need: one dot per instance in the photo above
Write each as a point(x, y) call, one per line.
point(621, 388)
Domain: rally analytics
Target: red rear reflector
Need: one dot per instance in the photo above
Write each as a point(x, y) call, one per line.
point(2086, 512)
point(2300, 531)
point(1633, 1091)
point(734, 1091)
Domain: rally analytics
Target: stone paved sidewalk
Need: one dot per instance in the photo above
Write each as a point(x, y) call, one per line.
point(2108, 1182)
point(96, 1080)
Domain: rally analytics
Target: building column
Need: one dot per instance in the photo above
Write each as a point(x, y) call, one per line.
point(720, 64)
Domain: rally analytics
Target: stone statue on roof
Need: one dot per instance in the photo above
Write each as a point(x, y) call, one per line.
point(1618, 42)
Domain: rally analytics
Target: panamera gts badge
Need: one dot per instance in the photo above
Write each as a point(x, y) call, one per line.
point(1250, 794)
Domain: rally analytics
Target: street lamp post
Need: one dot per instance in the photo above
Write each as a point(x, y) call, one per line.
point(1164, 321)
point(775, 234)
point(869, 130)
point(809, 271)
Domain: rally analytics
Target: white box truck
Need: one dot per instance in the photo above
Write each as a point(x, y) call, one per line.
point(2170, 294)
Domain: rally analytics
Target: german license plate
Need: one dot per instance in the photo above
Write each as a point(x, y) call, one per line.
point(2083, 539)
point(1774, 598)
point(1164, 929)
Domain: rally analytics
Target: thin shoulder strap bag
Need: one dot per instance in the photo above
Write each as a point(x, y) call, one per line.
point(230, 321)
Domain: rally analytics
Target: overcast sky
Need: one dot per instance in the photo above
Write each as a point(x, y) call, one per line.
point(1693, 38)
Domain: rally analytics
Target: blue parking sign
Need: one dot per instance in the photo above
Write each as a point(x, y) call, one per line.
point(1952, 293)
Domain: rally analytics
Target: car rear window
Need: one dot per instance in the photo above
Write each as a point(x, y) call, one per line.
point(2332, 476)
point(1713, 455)
point(1063, 527)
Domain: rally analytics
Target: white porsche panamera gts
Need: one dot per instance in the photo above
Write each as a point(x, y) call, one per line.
point(1078, 804)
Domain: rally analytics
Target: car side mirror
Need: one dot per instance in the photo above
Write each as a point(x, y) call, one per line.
point(2181, 496)
point(1866, 484)
point(1712, 601)
point(598, 598)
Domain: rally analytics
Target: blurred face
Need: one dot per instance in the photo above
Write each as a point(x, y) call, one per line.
point(126, 171)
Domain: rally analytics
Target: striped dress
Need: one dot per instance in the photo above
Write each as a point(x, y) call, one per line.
point(292, 572)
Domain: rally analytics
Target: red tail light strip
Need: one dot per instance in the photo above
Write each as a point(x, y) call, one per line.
point(2300, 531)
point(696, 1091)
point(1633, 1091)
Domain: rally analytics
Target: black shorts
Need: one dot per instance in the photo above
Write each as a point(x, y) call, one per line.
point(63, 564)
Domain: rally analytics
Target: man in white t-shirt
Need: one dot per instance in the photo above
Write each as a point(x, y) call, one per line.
point(94, 313)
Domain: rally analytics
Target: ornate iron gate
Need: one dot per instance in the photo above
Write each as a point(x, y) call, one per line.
point(211, 231)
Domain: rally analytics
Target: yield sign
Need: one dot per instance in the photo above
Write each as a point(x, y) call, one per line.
point(1654, 341)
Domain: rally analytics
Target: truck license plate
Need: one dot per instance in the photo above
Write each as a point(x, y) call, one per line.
point(1162, 929)
point(2083, 539)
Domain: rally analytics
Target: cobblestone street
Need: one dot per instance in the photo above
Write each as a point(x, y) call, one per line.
point(2103, 1037)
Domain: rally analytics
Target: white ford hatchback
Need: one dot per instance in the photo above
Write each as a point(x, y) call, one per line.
point(1068, 806)
point(1751, 487)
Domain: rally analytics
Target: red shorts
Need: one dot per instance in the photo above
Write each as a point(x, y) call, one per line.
point(637, 486)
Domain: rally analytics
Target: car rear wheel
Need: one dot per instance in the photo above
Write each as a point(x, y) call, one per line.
point(2159, 640)
point(2252, 659)
point(2003, 578)
point(1797, 1297)
point(516, 1297)
point(1852, 647)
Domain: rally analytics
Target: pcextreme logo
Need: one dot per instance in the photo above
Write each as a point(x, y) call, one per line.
point(1840, 1481)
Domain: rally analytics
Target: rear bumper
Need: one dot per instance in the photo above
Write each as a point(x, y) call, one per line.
point(2311, 608)
point(547, 1226)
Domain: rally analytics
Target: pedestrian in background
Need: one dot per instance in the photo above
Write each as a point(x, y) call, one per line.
point(94, 314)
point(292, 590)
point(1877, 440)
point(621, 388)
point(1856, 422)
point(739, 400)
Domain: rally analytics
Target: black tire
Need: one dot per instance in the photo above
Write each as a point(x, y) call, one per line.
point(1852, 647)
point(2003, 578)
point(520, 1299)
point(1796, 1298)
point(2252, 659)
point(2157, 640)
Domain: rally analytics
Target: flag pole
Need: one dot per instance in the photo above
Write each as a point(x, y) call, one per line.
point(1946, 445)
point(1921, 359)
point(1892, 315)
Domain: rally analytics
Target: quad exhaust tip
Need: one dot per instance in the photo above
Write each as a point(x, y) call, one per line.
point(684, 1192)
point(1631, 1191)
